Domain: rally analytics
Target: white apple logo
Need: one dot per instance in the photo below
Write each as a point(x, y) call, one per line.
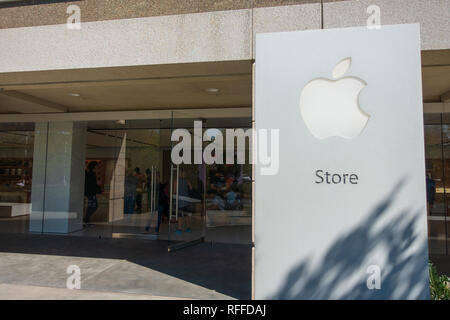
point(330, 107)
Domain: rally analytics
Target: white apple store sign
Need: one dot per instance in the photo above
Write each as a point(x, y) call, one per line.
point(345, 216)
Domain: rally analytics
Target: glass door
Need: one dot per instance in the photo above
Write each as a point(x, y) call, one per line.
point(135, 177)
point(187, 183)
point(215, 180)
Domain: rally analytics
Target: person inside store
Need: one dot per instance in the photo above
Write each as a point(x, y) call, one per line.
point(162, 190)
point(217, 181)
point(91, 189)
point(223, 193)
point(214, 201)
point(233, 200)
point(431, 192)
point(140, 181)
point(148, 184)
point(130, 192)
point(229, 182)
point(184, 188)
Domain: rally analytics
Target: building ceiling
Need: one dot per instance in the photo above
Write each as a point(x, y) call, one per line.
point(234, 91)
point(161, 87)
point(129, 88)
point(436, 76)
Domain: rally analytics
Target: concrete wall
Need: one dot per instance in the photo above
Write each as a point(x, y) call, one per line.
point(13, 16)
point(212, 36)
point(200, 37)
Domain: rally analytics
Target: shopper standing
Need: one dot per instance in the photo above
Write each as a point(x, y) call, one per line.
point(91, 188)
point(130, 192)
point(140, 181)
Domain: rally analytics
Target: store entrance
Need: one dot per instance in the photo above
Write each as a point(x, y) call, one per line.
point(147, 196)
point(125, 157)
point(143, 194)
point(117, 179)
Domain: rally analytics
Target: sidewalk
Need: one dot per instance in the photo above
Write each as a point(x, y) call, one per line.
point(27, 292)
point(122, 266)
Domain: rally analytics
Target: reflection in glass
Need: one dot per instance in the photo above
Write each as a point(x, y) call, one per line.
point(16, 166)
point(437, 181)
point(125, 182)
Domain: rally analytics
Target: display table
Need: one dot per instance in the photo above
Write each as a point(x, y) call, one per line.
point(216, 218)
point(187, 199)
point(11, 209)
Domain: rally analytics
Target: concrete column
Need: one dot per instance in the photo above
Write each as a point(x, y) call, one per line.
point(38, 182)
point(58, 177)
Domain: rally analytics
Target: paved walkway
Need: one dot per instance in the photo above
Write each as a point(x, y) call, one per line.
point(122, 266)
point(22, 292)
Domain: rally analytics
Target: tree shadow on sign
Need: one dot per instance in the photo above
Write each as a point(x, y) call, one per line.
point(404, 275)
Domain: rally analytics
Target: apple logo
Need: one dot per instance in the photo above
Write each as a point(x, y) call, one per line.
point(329, 107)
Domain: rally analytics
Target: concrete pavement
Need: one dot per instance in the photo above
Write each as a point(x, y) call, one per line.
point(125, 266)
point(27, 292)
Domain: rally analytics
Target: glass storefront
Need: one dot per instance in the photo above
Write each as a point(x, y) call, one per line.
point(437, 154)
point(16, 169)
point(116, 179)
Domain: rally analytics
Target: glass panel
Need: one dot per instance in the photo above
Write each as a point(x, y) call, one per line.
point(229, 190)
point(142, 168)
point(127, 180)
point(104, 172)
point(16, 166)
point(186, 205)
point(128, 170)
point(444, 232)
point(223, 188)
point(437, 170)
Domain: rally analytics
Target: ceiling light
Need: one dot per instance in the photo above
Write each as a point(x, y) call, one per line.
point(72, 94)
point(121, 122)
point(212, 90)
